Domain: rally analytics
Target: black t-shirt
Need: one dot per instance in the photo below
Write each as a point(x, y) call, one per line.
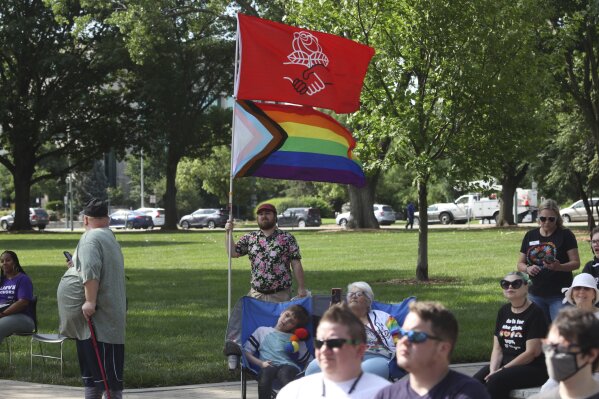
point(514, 329)
point(592, 268)
point(536, 247)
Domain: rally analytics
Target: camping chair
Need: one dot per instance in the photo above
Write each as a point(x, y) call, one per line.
point(33, 306)
point(399, 311)
point(247, 315)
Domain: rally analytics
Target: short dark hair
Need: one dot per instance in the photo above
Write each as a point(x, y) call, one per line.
point(300, 314)
point(342, 315)
point(580, 327)
point(443, 322)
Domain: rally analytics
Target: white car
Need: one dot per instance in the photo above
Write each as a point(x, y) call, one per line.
point(577, 212)
point(157, 215)
point(384, 214)
point(444, 213)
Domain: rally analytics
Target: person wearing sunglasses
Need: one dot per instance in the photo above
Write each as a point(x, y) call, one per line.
point(381, 331)
point(592, 266)
point(583, 294)
point(549, 254)
point(516, 359)
point(339, 346)
point(572, 353)
point(428, 336)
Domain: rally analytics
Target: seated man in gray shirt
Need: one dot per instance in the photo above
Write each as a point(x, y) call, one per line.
point(428, 336)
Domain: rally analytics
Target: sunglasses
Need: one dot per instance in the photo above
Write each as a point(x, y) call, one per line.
point(416, 337)
point(546, 218)
point(335, 342)
point(515, 284)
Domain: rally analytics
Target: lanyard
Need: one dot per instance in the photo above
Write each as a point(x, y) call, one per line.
point(351, 389)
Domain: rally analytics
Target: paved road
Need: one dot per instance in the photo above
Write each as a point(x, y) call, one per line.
point(226, 390)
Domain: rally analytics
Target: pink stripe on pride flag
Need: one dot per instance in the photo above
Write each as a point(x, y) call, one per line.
point(250, 137)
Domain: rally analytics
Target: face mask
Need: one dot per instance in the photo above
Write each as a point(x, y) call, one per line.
point(561, 366)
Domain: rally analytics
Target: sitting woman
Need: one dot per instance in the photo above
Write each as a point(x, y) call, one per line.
point(382, 331)
point(16, 292)
point(516, 360)
point(583, 294)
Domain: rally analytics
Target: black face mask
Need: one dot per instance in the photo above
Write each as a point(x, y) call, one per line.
point(561, 366)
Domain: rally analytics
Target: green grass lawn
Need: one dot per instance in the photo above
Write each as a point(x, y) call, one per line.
point(177, 291)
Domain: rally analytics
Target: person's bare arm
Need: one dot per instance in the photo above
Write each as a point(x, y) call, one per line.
point(496, 357)
point(533, 349)
point(229, 241)
point(573, 262)
point(254, 360)
point(298, 271)
point(16, 307)
point(91, 295)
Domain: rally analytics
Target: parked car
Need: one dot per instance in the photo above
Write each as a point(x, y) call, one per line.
point(577, 212)
point(210, 218)
point(444, 213)
point(299, 217)
point(384, 214)
point(38, 217)
point(128, 219)
point(157, 215)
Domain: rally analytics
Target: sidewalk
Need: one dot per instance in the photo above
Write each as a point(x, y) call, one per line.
point(224, 390)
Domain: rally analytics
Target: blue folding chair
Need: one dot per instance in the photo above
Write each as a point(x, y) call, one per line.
point(247, 315)
point(399, 311)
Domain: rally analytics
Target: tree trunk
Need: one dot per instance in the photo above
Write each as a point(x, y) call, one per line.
point(361, 200)
point(170, 196)
point(509, 181)
point(23, 173)
point(422, 263)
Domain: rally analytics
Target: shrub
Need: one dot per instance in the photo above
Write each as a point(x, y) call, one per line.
point(282, 203)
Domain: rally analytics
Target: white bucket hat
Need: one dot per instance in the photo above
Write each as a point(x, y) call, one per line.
point(581, 280)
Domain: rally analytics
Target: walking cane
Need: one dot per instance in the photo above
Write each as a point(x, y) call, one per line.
point(95, 344)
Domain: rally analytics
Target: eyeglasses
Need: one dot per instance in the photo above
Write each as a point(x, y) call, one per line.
point(335, 342)
point(505, 284)
point(594, 242)
point(557, 348)
point(356, 294)
point(546, 218)
point(416, 337)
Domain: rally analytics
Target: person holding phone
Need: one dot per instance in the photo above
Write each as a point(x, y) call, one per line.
point(592, 266)
point(16, 294)
point(549, 254)
point(516, 360)
point(382, 331)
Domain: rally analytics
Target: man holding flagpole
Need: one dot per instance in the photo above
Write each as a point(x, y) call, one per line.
point(273, 254)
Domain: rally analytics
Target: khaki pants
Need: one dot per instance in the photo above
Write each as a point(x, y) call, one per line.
point(281, 296)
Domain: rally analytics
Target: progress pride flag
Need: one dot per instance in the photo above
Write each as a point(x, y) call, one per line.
point(282, 63)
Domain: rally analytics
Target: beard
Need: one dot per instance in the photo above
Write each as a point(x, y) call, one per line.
point(267, 224)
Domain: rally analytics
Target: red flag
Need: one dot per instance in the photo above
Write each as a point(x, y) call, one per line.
point(283, 63)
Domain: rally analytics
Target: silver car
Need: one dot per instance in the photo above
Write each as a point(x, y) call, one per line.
point(577, 212)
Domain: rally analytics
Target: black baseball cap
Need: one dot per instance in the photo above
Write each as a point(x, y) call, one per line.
point(96, 208)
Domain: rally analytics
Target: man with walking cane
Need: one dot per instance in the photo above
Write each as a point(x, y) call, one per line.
point(92, 304)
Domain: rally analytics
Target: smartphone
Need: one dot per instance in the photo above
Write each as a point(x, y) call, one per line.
point(335, 295)
point(67, 255)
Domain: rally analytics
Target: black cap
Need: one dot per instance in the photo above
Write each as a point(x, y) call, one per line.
point(95, 208)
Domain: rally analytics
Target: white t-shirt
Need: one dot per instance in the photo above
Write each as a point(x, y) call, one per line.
point(312, 386)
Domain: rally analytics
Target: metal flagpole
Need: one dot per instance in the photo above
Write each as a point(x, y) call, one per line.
point(230, 205)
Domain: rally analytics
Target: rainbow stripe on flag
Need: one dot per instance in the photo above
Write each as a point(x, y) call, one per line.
point(292, 142)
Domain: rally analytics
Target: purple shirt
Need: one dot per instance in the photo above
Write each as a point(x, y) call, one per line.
point(17, 288)
point(453, 386)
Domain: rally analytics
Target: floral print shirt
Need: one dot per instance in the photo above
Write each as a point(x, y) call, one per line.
point(270, 258)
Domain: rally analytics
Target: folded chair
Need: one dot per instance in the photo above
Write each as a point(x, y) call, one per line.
point(247, 315)
point(33, 306)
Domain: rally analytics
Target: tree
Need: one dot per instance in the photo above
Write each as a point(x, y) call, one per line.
point(59, 95)
point(184, 67)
